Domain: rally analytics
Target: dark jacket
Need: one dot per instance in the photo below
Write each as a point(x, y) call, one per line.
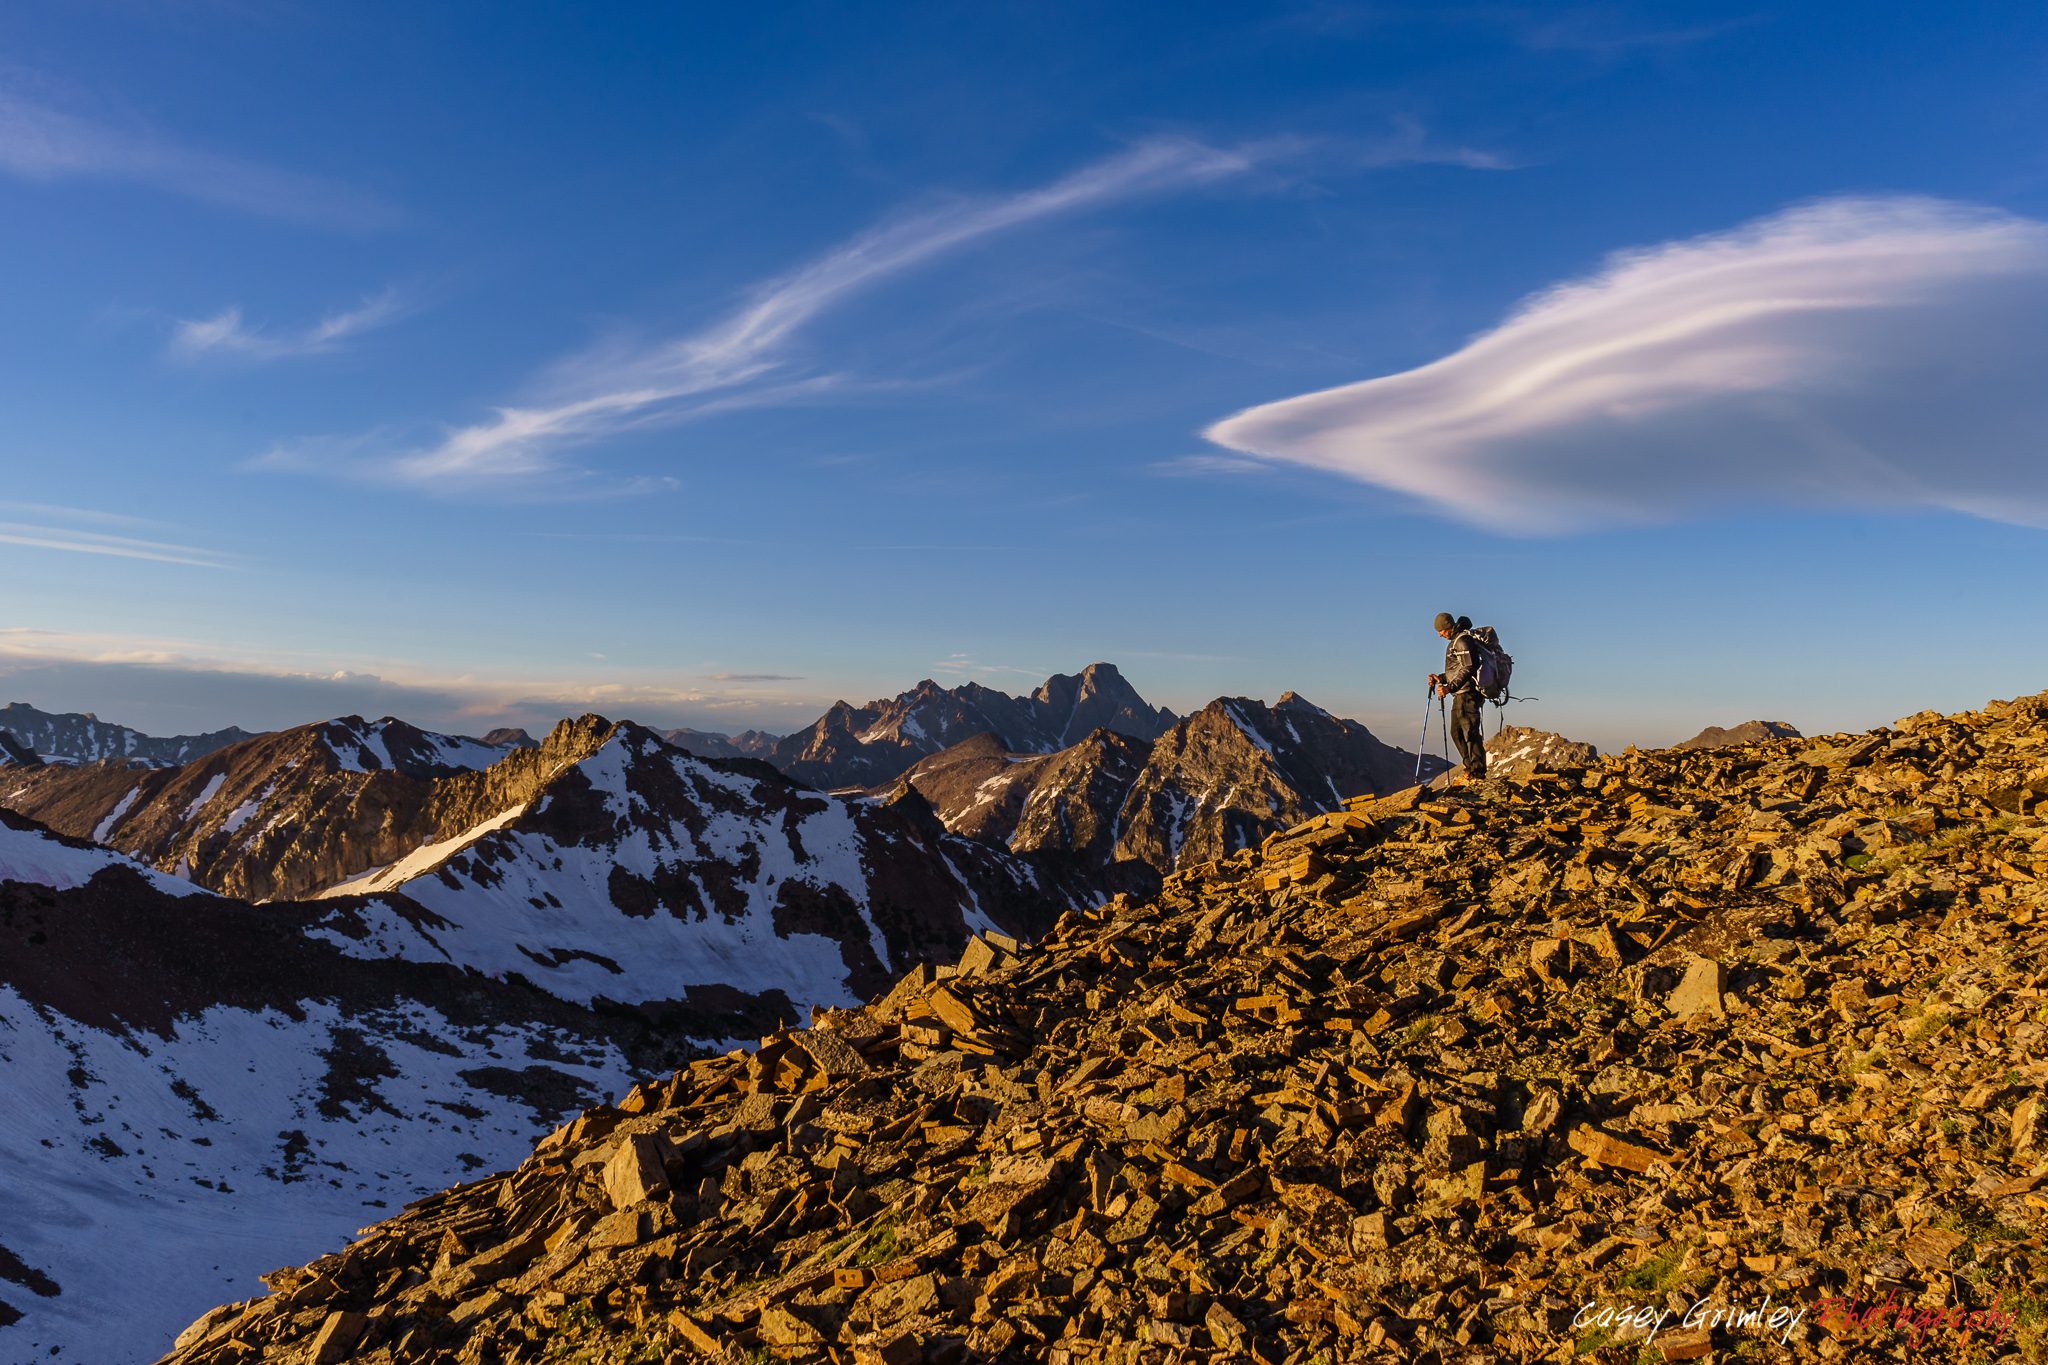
point(1461, 663)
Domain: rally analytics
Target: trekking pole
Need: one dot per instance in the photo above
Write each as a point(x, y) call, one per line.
point(1422, 744)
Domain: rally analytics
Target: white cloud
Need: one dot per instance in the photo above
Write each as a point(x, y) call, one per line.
point(40, 143)
point(1194, 466)
point(1855, 353)
point(743, 358)
point(225, 334)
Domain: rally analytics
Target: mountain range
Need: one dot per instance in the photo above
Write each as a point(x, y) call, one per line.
point(861, 746)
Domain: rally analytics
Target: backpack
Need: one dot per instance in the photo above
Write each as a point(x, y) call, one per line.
point(1496, 665)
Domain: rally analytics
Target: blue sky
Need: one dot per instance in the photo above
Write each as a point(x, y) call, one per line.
point(484, 364)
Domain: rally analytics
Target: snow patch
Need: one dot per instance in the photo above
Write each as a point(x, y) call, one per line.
point(213, 786)
point(420, 861)
point(1249, 733)
point(106, 826)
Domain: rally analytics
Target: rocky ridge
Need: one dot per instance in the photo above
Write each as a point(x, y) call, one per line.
point(1450, 1076)
point(82, 737)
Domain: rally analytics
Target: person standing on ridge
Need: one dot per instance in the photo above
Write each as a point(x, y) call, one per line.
point(1460, 680)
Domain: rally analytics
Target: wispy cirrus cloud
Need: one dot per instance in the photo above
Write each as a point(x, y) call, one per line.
point(745, 358)
point(41, 143)
point(962, 665)
point(227, 335)
point(1199, 466)
point(1863, 353)
point(97, 543)
point(753, 677)
point(1607, 34)
point(43, 534)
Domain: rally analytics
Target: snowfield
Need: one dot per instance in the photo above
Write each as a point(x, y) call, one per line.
point(156, 1160)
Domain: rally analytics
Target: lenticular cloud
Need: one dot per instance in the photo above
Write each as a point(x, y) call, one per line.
point(1855, 353)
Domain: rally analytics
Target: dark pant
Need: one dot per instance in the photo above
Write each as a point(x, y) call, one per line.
point(1468, 731)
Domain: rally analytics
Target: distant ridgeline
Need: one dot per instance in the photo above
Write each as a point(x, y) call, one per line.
point(82, 737)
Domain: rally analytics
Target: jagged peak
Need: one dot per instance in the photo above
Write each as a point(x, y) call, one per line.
point(1294, 701)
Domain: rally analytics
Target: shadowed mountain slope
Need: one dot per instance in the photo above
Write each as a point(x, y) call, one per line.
point(1224, 778)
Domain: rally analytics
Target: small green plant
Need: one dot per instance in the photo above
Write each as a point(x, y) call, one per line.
point(1419, 1030)
point(1657, 1275)
point(882, 1249)
point(1926, 1027)
point(1593, 1341)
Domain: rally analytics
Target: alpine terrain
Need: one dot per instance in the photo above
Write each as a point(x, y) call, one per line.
point(1676, 1055)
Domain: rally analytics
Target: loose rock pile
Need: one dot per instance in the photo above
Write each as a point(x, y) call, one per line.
point(1503, 1072)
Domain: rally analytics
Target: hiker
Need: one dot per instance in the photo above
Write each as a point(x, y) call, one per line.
point(1460, 680)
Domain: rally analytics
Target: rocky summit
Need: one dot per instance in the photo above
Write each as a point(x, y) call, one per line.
point(1730, 1050)
point(1517, 751)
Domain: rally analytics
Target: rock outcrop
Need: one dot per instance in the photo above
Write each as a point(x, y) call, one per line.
point(1749, 1034)
point(82, 737)
point(866, 746)
point(1749, 732)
